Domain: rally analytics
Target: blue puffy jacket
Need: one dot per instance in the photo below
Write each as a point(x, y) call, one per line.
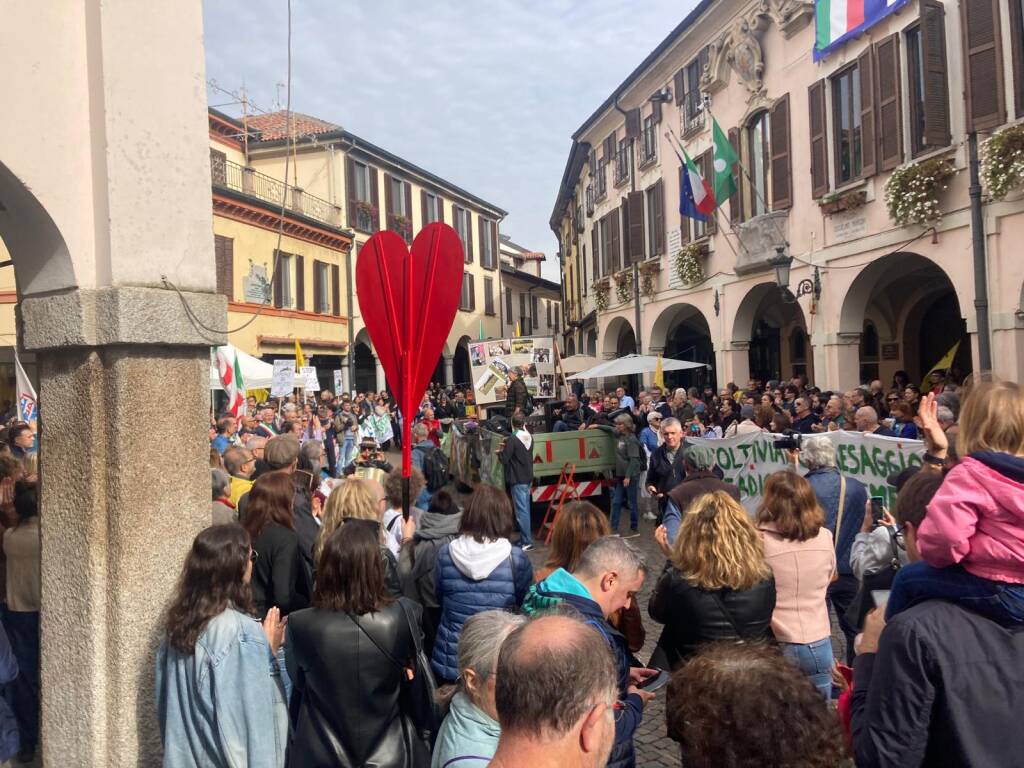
point(471, 577)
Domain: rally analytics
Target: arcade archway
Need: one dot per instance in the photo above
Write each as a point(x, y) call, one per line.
point(684, 333)
point(909, 314)
point(774, 326)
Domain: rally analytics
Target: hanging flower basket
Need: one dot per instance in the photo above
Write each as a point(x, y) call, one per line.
point(1002, 162)
point(687, 264)
point(367, 208)
point(624, 286)
point(648, 285)
point(912, 192)
point(402, 225)
point(601, 295)
point(836, 203)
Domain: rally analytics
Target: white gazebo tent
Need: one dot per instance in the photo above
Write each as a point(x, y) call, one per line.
point(256, 374)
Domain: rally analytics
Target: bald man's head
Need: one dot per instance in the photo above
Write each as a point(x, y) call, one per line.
point(552, 672)
point(866, 419)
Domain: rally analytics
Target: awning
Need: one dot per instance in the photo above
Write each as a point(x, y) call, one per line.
point(633, 364)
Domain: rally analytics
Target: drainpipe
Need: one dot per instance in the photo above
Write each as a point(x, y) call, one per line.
point(980, 267)
point(636, 267)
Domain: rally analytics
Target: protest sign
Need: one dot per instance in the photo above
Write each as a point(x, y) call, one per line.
point(308, 372)
point(284, 378)
point(748, 460)
point(377, 426)
point(490, 362)
point(337, 383)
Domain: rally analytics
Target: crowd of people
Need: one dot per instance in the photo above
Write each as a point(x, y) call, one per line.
point(433, 640)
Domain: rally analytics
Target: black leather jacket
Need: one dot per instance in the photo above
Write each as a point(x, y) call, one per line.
point(345, 707)
point(693, 616)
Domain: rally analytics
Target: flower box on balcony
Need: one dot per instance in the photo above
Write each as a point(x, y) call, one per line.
point(839, 202)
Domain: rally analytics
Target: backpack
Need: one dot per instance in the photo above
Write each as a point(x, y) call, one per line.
point(435, 469)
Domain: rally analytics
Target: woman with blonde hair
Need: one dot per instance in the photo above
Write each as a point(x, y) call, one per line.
point(716, 584)
point(359, 499)
point(798, 548)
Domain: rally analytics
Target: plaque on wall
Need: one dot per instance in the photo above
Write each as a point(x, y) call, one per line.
point(891, 351)
point(257, 287)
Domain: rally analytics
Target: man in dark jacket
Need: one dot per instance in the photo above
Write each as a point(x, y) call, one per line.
point(571, 416)
point(610, 570)
point(665, 470)
point(517, 458)
point(699, 462)
point(517, 396)
point(941, 686)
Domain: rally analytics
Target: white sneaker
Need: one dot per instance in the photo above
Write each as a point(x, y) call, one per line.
point(650, 516)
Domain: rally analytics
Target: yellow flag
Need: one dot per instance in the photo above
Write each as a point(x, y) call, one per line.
point(659, 375)
point(300, 361)
point(942, 365)
point(261, 395)
point(518, 332)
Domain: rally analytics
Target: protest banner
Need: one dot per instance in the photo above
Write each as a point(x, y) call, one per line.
point(748, 460)
point(490, 362)
point(284, 378)
point(338, 383)
point(308, 372)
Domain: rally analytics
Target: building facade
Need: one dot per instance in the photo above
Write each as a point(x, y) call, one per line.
point(282, 259)
point(531, 304)
point(818, 142)
point(364, 189)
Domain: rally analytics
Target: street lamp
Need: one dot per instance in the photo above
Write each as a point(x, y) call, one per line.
point(781, 263)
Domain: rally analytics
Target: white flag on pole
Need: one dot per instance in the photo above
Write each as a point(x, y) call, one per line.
point(27, 403)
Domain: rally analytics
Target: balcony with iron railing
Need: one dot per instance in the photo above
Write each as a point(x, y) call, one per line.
point(621, 166)
point(247, 181)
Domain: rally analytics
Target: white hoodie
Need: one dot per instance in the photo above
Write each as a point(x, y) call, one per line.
point(477, 561)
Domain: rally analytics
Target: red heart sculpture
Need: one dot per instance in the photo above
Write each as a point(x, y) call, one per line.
point(408, 301)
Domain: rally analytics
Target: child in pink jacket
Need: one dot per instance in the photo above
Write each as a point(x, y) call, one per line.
point(972, 536)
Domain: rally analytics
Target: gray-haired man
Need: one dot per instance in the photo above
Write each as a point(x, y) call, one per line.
point(699, 461)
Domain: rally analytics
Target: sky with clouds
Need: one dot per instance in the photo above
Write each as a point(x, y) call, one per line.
point(484, 94)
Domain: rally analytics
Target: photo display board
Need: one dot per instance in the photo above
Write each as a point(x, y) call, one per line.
point(491, 361)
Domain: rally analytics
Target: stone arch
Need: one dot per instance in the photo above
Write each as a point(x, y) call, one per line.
point(460, 363)
point(40, 254)
point(618, 338)
point(903, 288)
point(765, 321)
point(364, 363)
point(683, 332)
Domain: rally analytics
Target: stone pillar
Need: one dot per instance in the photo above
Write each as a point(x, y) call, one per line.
point(115, 526)
point(842, 363)
point(449, 370)
point(381, 380)
point(735, 360)
point(346, 385)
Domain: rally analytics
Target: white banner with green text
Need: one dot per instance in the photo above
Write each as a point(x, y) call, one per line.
point(748, 460)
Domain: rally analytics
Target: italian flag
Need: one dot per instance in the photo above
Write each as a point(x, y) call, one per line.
point(836, 18)
point(231, 379)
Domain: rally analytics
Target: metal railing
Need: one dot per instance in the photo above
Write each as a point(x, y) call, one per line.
point(233, 176)
point(621, 165)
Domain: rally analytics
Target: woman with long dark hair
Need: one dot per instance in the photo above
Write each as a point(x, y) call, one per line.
point(279, 577)
point(219, 698)
point(349, 657)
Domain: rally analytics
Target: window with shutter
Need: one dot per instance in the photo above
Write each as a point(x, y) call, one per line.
point(224, 255)
point(488, 296)
point(523, 319)
point(656, 111)
point(595, 253)
point(391, 185)
point(284, 274)
point(759, 152)
point(819, 144)
point(615, 253)
point(1017, 49)
point(927, 81)
point(534, 314)
point(606, 244)
point(983, 64)
point(781, 173)
point(736, 199)
point(465, 299)
point(889, 105)
point(659, 217)
point(633, 123)
point(374, 200)
point(649, 141)
point(335, 290)
point(846, 124)
point(300, 282)
point(693, 107)
point(679, 86)
point(494, 244)
point(318, 308)
point(508, 305)
point(869, 82)
point(277, 279)
point(467, 219)
point(635, 206)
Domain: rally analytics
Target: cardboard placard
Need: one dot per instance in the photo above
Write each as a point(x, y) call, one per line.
point(490, 362)
point(284, 378)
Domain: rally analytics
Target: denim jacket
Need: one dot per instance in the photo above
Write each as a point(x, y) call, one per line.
point(223, 706)
point(825, 482)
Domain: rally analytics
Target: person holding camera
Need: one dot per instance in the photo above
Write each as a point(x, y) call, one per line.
point(843, 499)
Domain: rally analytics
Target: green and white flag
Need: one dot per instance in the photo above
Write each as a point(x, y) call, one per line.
point(723, 161)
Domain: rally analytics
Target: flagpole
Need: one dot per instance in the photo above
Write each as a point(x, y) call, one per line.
point(753, 186)
point(671, 134)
